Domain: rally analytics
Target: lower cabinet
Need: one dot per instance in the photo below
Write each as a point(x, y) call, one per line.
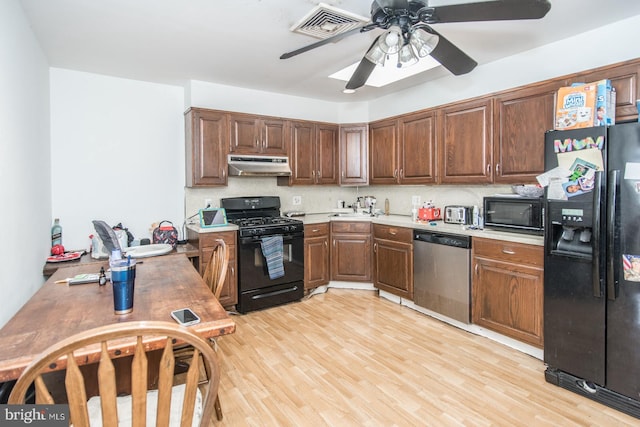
point(206, 242)
point(393, 260)
point(507, 289)
point(316, 255)
point(351, 251)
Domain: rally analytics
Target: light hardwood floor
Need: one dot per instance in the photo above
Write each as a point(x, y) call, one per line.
point(350, 358)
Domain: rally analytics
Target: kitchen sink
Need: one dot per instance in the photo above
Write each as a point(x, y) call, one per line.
point(350, 215)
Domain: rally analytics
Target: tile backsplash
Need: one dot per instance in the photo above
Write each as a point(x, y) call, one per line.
point(323, 198)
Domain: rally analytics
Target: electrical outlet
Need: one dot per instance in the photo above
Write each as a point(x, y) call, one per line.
point(415, 200)
point(207, 203)
point(297, 200)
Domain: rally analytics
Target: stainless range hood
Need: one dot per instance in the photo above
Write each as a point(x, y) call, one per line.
point(242, 165)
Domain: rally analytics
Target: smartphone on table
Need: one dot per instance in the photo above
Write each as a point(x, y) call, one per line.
point(185, 317)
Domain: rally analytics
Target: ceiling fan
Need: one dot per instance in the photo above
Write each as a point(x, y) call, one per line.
point(408, 33)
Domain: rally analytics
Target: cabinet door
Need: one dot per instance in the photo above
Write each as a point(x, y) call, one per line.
point(393, 264)
point(245, 137)
point(302, 153)
point(206, 147)
point(354, 155)
point(417, 148)
point(316, 261)
point(522, 118)
point(383, 152)
point(273, 137)
point(207, 242)
point(466, 143)
point(326, 154)
point(351, 257)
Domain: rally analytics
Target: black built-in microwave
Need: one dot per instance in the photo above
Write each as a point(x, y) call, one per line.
point(514, 214)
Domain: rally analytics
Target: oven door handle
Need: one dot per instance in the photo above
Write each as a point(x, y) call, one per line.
point(285, 238)
point(274, 293)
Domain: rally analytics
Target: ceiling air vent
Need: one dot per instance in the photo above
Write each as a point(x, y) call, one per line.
point(324, 21)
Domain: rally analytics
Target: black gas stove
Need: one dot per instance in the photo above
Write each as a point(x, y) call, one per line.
point(259, 216)
point(259, 222)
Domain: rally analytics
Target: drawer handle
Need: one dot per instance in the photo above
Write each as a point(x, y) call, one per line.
point(393, 232)
point(476, 269)
point(315, 230)
point(508, 251)
point(375, 248)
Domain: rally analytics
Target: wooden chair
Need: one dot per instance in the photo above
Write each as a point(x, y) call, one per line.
point(66, 353)
point(216, 271)
point(214, 276)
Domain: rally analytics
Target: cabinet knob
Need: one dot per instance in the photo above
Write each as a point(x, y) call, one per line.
point(476, 269)
point(401, 173)
point(395, 173)
point(257, 142)
point(498, 168)
point(488, 168)
point(375, 247)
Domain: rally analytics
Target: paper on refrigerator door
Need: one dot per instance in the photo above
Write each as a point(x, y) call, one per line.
point(632, 170)
point(590, 155)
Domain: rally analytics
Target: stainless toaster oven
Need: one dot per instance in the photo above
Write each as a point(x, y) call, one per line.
point(458, 214)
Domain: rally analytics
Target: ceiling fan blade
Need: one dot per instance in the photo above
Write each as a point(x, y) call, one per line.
point(497, 10)
point(450, 56)
point(363, 71)
point(331, 39)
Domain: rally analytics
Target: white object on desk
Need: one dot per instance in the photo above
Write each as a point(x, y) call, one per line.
point(148, 250)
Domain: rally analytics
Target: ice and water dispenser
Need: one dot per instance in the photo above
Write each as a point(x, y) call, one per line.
point(571, 229)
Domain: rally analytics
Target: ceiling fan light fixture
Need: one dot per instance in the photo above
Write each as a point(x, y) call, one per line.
point(406, 56)
point(376, 55)
point(391, 41)
point(423, 42)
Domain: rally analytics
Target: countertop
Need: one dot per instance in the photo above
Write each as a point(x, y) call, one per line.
point(440, 226)
point(400, 221)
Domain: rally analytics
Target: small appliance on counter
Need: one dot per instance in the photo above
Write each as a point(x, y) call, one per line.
point(458, 215)
point(428, 212)
point(514, 214)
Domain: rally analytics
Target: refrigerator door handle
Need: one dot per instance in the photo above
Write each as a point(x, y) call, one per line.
point(613, 186)
point(597, 252)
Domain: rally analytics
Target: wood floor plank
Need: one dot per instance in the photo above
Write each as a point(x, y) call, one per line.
point(350, 358)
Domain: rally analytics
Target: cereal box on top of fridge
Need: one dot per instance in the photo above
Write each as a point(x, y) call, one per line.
point(605, 104)
point(585, 104)
point(575, 106)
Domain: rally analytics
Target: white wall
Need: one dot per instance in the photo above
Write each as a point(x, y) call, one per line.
point(117, 153)
point(25, 191)
point(605, 45)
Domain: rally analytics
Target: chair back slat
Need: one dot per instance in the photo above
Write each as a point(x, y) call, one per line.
point(78, 399)
point(61, 354)
point(107, 387)
point(216, 270)
point(139, 386)
point(43, 397)
point(165, 380)
point(193, 377)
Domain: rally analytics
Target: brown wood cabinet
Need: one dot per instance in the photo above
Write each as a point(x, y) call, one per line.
point(206, 242)
point(521, 119)
point(258, 135)
point(354, 149)
point(207, 139)
point(507, 289)
point(314, 154)
point(316, 255)
point(393, 260)
point(351, 251)
point(402, 150)
point(465, 142)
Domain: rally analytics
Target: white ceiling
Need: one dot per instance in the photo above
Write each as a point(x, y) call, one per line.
point(239, 42)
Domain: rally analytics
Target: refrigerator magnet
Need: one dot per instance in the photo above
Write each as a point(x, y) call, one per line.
point(631, 267)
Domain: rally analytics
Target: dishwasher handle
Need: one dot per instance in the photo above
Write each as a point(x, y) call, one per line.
point(456, 240)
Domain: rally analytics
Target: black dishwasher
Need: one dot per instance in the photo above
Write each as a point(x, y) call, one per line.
point(441, 273)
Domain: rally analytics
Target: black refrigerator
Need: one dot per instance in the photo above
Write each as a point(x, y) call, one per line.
point(592, 263)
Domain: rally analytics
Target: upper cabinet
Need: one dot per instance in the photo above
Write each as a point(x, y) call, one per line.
point(354, 144)
point(521, 119)
point(402, 150)
point(207, 139)
point(465, 142)
point(313, 155)
point(258, 135)
point(624, 78)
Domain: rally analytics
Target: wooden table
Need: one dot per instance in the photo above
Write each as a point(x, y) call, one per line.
point(56, 311)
